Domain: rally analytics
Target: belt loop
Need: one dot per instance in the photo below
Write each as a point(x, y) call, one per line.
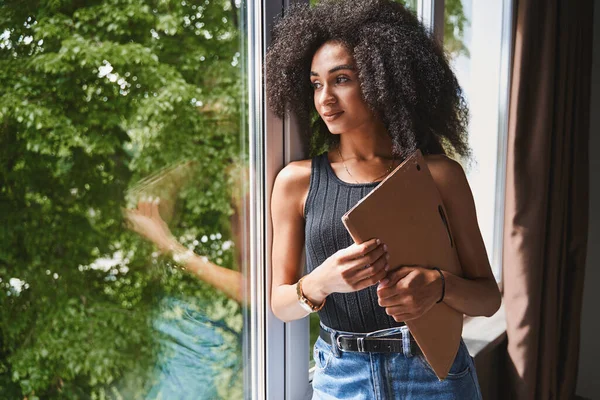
point(360, 342)
point(406, 341)
point(334, 347)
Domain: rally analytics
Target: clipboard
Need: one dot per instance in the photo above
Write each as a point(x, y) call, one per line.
point(405, 211)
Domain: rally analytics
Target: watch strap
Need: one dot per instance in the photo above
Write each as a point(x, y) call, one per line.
point(305, 302)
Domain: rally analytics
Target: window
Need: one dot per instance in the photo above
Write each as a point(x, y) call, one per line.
point(110, 103)
point(477, 40)
point(107, 107)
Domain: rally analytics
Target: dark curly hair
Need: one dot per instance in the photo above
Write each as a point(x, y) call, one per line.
point(410, 84)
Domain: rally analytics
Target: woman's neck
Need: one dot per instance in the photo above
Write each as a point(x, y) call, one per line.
point(366, 143)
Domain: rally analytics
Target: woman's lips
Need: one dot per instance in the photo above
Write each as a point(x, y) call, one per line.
point(332, 117)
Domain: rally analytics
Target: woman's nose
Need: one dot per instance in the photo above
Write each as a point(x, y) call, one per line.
point(326, 96)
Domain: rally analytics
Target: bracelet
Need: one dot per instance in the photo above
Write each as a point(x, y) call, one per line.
point(180, 257)
point(443, 284)
point(304, 302)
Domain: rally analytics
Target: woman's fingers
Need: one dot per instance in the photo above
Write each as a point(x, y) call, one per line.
point(370, 258)
point(154, 208)
point(372, 267)
point(356, 251)
point(143, 206)
point(393, 301)
point(148, 206)
point(372, 280)
point(396, 310)
point(388, 288)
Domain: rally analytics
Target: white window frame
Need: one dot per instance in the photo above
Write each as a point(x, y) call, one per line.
point(278, 349)
point(506, 57)
point(431, 13)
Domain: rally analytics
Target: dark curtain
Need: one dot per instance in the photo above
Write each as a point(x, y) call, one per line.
point(546, 215)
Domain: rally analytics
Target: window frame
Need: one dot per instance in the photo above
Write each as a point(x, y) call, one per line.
point(495, 253)
point(276, 347)
point(506, 60)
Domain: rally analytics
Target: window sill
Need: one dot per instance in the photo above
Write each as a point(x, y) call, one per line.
point(484, 334)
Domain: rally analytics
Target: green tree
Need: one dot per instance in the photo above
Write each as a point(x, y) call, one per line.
point(94, 96)
point(455, 22)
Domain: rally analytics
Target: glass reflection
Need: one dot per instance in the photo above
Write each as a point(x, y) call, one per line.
point(122, 200)
point(199, 336)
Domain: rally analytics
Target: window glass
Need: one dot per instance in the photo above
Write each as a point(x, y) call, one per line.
point(123, 226)
point(473, 41)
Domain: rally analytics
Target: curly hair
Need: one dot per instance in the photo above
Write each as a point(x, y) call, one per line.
point(404, 75)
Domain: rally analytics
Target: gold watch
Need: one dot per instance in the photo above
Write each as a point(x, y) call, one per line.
point(304, 302)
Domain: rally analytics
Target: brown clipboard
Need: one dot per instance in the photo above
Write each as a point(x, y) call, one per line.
point(405, 211)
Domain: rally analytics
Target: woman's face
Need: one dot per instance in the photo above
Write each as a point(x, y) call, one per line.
point(337, 95)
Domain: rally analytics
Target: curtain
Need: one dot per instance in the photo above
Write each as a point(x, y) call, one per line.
point(546, 205)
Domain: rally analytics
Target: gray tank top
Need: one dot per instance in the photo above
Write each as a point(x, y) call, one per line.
point(328, 199)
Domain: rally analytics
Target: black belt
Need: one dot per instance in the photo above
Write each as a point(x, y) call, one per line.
point(388, 344)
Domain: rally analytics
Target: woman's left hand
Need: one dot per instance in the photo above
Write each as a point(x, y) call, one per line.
point(409, 292)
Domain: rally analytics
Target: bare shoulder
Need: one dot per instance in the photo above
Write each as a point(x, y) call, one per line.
point(292, 182)
point(440, 164)
point(448, 175)
point(295, 174)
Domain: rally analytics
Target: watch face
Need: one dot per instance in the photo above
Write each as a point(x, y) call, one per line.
point(306, 306)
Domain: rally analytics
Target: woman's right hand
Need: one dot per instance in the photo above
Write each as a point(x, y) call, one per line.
point(348, 270)
point(147, 222)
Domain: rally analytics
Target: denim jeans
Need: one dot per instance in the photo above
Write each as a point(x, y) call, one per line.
point(385, 376)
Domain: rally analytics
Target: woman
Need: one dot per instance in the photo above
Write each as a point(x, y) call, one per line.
point(378, 88)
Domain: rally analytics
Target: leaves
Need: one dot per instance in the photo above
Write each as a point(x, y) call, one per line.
point(96, 96)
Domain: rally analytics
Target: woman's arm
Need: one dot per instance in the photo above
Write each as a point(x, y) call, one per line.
point(147, 222)
point(474, 294)
point(477, 292)
point(226, 280)
point(287, 199)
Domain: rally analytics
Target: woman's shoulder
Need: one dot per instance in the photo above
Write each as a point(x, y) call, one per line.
point(442, 164)
point(295, 172)
point(449, 176)
point(292, 182)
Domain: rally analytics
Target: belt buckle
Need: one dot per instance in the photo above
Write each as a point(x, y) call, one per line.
point(337, 340)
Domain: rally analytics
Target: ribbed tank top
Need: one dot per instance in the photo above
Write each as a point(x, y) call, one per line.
point(328, 199)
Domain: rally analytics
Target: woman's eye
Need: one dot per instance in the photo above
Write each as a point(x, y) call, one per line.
point(316, 85)
point(342, 79)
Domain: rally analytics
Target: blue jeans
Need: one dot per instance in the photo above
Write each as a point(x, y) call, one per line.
point(385, 376)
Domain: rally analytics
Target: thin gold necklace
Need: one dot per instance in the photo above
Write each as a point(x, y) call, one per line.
point(376, 179)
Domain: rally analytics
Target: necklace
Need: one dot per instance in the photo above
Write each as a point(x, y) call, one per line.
point(348, 171)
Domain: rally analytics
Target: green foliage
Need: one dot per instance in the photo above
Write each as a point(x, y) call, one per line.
point(454, 25)
point(96, 95)
point(455, 22)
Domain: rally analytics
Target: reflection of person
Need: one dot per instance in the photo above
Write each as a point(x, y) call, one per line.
point(381, 88)
point(146, 221)
point(199, 357)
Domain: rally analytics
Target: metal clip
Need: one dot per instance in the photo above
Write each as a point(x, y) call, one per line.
point(360, 343)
